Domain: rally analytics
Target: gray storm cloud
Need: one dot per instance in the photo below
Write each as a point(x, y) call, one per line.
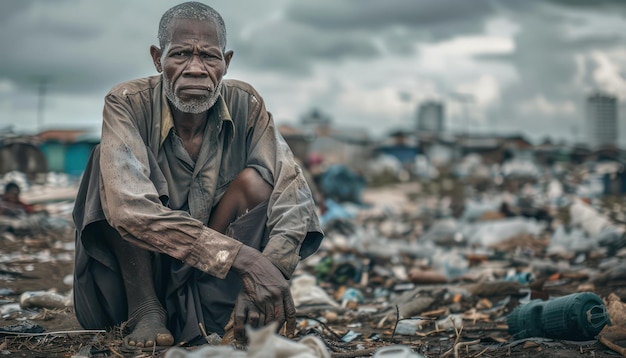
point(558, 53)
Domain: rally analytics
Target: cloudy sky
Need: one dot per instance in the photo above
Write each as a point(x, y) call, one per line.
point(499, 65)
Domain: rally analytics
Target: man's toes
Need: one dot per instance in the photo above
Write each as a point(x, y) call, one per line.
point(165, 339)
point(134, 342)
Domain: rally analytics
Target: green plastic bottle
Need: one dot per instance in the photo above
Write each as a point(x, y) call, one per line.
point(576, 317)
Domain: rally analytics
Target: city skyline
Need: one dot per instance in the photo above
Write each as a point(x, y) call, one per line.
point(498, 65)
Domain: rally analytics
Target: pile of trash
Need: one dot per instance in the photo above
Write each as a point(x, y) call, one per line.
point(525, 262)
point(522, 266)
point(465, 260)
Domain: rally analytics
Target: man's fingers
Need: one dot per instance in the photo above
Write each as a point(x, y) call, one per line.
point(254, 318)
point(290, 313)
point(241, 315)
point(267, 294)
point(270, 313)
point(231, 321)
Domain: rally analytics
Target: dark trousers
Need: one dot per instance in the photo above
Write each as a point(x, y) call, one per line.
point(188, 295)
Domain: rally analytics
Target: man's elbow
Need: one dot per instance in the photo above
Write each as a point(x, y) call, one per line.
point(123, 220)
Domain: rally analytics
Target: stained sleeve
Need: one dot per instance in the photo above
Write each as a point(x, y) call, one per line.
point(132, 206)
point(294, 227)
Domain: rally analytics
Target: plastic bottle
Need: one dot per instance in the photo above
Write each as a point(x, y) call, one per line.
point(522, 277)
point(576, 317)
point(396, 351)
point(352, 295)
point(408, 327)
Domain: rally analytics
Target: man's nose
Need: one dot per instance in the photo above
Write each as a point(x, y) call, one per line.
point(195, 67)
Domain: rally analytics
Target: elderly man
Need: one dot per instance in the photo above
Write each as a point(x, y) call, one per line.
point(191, 195)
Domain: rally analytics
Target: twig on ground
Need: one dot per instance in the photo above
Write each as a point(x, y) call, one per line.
point(426, 334)
point(322, 323)
point(481, 352)
point(457, 333)
point(206, 336)
point(466, 344)
point(395, 326)
point(353, 354)
point(116, 353)
point(56, 333)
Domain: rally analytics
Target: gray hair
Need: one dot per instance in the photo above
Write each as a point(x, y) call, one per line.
point(191, 10)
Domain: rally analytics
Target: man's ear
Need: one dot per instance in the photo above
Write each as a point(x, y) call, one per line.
point(228, 55)
point(155, 52)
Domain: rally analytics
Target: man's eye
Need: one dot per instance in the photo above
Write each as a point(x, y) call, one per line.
point(180, 54)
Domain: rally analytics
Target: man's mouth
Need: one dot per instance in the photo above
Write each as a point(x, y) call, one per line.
point(195, 90)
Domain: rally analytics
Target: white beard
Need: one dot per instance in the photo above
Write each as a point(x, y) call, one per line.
point(192, 106)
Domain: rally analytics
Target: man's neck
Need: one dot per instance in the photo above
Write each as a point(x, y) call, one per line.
point(189, 125)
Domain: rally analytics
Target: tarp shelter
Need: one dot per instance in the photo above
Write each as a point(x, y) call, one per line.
point(22, 155)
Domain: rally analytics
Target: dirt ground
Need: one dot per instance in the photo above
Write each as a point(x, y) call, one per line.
point(32, 264)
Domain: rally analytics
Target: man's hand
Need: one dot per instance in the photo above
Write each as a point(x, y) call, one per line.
point(265, 296)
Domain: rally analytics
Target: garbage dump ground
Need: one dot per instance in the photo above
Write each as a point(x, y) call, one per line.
point(431, 266)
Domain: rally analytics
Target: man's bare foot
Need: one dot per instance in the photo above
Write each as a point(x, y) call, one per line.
point(149, 329)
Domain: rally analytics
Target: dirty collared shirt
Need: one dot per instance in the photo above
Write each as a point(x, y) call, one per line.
point(139, 143)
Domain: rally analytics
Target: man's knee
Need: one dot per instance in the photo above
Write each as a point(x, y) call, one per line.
point(250, 183)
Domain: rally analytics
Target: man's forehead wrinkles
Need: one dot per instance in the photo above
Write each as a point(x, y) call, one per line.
point(192, 44)
point(194, 40)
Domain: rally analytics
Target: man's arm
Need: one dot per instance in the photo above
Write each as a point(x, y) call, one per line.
point(132, 206)
point(294, 226)
point(291, 220)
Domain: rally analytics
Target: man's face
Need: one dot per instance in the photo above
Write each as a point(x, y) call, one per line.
point(193, 65)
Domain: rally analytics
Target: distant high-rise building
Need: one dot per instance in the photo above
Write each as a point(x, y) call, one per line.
point(602, 119)
point(430, 117)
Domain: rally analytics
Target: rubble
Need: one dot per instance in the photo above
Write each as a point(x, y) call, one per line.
point(45, 299)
